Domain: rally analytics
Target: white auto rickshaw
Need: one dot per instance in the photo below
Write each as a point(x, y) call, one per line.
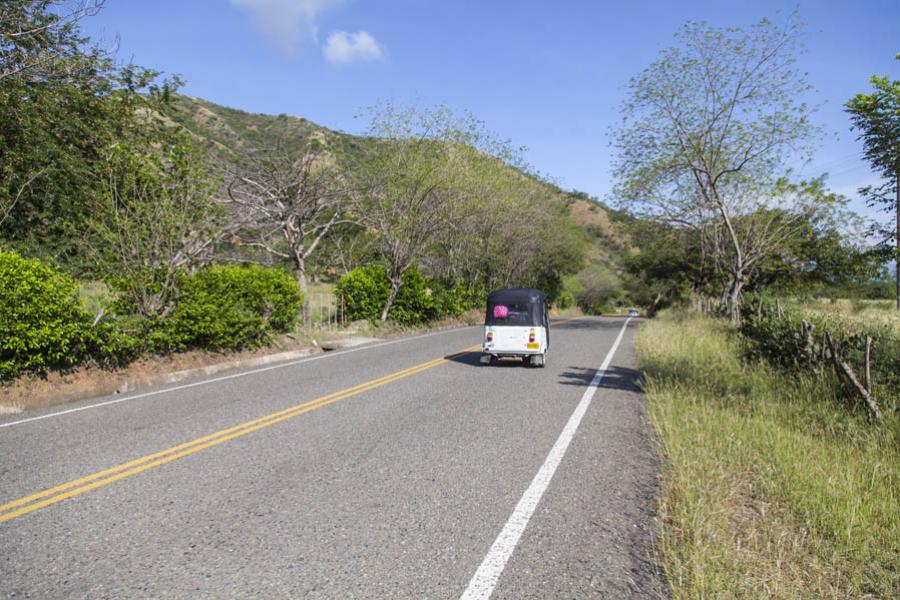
point(517, 325)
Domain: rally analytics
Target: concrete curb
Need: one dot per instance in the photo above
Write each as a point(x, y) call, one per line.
point(258, 361)
point(130, 384)
point(116, 385)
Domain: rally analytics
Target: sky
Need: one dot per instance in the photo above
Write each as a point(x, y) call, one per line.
point(550, 76)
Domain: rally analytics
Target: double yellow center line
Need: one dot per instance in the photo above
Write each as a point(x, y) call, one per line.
point(28, 504)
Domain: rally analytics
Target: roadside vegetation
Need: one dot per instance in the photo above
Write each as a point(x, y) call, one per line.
point(774, 376)
point(153, 223)
point(772, 487)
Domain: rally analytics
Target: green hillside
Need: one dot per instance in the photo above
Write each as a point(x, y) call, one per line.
point(235, 134)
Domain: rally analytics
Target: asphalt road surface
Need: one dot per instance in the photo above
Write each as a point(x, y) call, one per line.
point(399, 470)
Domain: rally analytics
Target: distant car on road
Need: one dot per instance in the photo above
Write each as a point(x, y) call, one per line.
point(632, 312)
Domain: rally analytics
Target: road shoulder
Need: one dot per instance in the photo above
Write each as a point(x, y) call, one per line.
point(593, 533)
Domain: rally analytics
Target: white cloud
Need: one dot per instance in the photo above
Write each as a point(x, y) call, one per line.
point(343, 48)
point(287, 22)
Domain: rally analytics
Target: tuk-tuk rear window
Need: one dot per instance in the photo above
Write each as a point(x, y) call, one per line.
point(509, 313)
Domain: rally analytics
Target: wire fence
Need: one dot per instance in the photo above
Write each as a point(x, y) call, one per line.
point(325, 311)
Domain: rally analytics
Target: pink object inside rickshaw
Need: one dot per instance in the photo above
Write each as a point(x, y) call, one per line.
point(501, 312)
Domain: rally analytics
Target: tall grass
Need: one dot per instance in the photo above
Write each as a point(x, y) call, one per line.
point(861, 313)
point(771, 488)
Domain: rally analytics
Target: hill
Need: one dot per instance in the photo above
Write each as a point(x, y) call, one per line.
point(234, 134)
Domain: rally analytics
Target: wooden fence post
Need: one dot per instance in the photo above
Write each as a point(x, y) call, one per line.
point(844, 369)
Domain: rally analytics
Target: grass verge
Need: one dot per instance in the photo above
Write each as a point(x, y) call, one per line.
point(771, 488)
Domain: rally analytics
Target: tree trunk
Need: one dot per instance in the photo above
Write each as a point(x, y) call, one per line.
point(300, 274)
point(738, 273)
point(735, 297)
point(395, 287)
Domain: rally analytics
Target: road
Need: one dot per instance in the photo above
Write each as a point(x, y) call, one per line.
point(402, 470)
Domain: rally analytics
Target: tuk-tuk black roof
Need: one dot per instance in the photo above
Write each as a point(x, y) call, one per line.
point(536, 301)
point(517, 295)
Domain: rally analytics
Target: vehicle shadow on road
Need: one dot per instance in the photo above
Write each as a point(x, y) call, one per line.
point(473, 359)
point(589, 324)
point(615, 378)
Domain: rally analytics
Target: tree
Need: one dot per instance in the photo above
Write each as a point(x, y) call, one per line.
point(706, 130)
point(410, 178)
point(441, 191)
point(156, 219)
point(509, 229)
point(63, 103)
point(39, 38)
point(666, 263)
point(293, 204)
point(877, 117)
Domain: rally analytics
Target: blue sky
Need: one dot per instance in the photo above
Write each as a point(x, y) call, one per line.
point(548, 75)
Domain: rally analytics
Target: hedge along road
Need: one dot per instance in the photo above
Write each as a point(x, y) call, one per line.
point(405, 470)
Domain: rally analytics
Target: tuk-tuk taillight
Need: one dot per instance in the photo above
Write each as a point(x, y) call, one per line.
point(531, 336)
point(490, 336)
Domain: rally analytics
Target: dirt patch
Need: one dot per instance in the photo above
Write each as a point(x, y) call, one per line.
point(89, 382)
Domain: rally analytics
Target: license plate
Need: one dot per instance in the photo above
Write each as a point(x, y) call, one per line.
point(533, 346)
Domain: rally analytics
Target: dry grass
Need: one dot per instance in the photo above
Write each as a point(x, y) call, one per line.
point(770, 487)
point(858, 312)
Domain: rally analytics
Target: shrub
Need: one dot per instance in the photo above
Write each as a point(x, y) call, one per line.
point(41, 323)
point(565, 300)
point(415, 302)
point(454, 301)
point(228, 307)
point(781, 340)
point(364, 291)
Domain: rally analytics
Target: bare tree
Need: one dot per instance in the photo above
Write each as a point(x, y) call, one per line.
point(707, 129)
point(291, 205)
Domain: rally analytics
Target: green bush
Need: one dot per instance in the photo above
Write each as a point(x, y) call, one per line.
point(454, 301)
point(782, 342)
point(415, 302)
point(41, 323)
point(565, 300)
point(228, 307)
point(365, 290)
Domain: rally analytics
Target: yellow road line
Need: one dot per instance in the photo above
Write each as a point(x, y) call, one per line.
point(107, 476)
point(564, 321)
point(199, 440)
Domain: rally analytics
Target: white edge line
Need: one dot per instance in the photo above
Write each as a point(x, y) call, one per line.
point(226, 377)
point(482, 584)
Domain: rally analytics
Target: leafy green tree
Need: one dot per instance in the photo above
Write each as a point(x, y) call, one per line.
point(407, 177)
point(157, 218)
point(877, 117)
point(62, 104)
point(509, 228)
point(39, 38)
point(416, 182)
point(668, 263)
point(707, 130)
